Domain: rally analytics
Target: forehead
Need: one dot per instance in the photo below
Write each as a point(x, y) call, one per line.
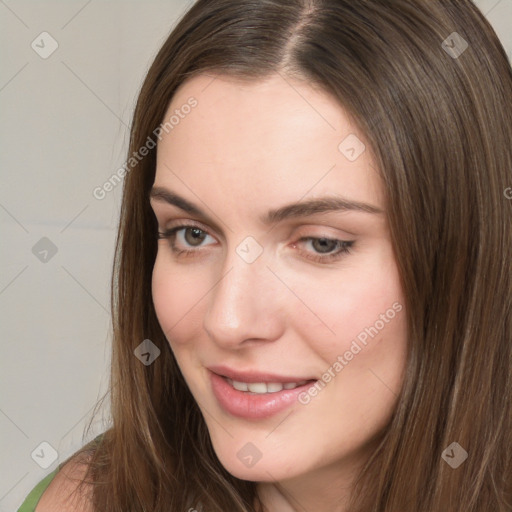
point(276, 138)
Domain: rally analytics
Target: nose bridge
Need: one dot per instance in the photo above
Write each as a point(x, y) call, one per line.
point(240, 302)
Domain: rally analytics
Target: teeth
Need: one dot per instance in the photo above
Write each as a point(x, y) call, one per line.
point(272, 387)
point(257, 387)
point(261, 388)
point(241, 386)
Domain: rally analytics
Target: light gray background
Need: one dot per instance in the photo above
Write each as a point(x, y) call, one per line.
point(64, 131)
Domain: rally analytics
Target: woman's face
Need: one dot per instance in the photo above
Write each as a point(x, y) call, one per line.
point(275, 298)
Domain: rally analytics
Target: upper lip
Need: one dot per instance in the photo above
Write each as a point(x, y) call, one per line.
point(254, 376)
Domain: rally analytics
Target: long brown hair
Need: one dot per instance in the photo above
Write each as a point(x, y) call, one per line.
point(437, 116)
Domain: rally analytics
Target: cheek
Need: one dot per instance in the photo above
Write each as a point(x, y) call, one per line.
point(371, 309)
point(362, 302)
point(366, 357)
point(364, 352)
point(176, 298)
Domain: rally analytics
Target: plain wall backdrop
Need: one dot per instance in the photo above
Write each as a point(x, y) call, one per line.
point(65, 117)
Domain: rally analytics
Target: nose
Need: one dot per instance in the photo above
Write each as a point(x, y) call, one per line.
point(245, 304)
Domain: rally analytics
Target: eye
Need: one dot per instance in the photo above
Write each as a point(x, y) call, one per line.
point(322, 246)
point(326, 245)
point(197, 235)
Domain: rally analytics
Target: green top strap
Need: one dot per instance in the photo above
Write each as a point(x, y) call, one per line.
point(31, 501)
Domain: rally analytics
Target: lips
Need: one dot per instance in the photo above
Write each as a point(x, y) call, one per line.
point(259, 377)
point(255, 395)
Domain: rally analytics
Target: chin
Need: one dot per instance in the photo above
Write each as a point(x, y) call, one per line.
point(263, 467)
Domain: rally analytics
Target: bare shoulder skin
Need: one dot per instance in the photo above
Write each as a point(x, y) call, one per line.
point(62, 495)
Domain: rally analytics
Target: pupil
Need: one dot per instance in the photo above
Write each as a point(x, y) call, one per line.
point(322, 244)
point(198, 234)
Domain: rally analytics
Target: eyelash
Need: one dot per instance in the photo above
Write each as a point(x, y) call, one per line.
point(345, 245)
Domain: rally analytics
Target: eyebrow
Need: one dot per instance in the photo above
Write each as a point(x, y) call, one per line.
point(293, 210)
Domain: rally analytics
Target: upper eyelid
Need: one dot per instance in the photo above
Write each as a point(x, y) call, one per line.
point(185, 226)
point(189, 224)
point(296, 223)
point(182, 225)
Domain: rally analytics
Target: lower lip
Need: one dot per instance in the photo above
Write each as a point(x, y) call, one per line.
point(253, 406)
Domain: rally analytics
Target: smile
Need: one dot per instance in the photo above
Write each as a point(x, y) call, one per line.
point(262, 388)
point(255, 400)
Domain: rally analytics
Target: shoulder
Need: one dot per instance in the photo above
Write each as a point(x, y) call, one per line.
point(63, 494)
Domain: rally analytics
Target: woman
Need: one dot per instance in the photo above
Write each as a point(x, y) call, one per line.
point(312, 298)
